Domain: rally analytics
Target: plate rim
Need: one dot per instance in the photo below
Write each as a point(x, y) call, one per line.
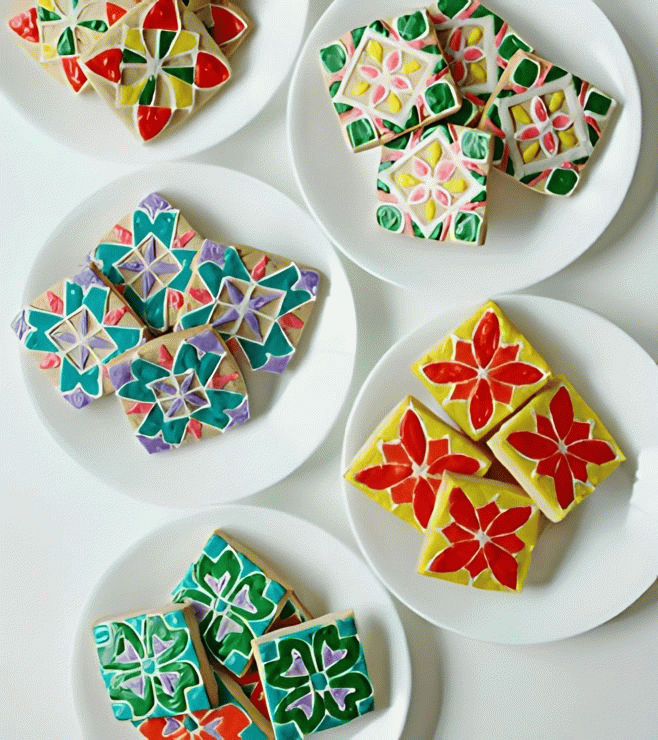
point(346, 489)
point(635, 98)
point(75, 673)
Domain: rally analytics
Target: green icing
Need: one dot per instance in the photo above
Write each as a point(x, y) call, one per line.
point(555, 73)
point(333, 57)
point(340, 107)
point(390, 218)
point(66, 43)
point(392, 126)
point(475, 144)
point(360, 132)
point(183, 73)
point(379, 28)
point(46, 15)
point(452, 7)
point(466, 115)
point(70, 377)
point(131, 57)
point(510, 45)
point(440, 97)
point(440, 65)
point(598, 103)
point(147, 94)
point(561, 181)
point(98, 26)
point(357, 35)
point(593, 134)
point(467, 226)
point(417, 230)
point(383, 186)
point(499, 149)
point(526, 73)
point(400, 142)
point(479, 197)
point(413, 119)
point(412, 26)
point(277, 346)
point(165, 40)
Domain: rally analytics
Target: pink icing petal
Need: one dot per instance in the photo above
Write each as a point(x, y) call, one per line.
point(459, 71)
point(561, 121)
point(445, 170)
point(473, 54)
point(370, 72)
point(400, 83)
point(549, 142)
point(539, 112)
point(378, 94)
point(527, 133)
point(420, 168)
point(393, 61)
point(455, 40)
point(419, 194)
point(442, 196)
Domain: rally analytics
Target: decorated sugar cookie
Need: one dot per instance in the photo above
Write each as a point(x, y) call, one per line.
point(156, 67)
point(402, 463)
point(557, 448)
point(483, 371)
point(315, 676)
point(387, 78)
point(478, 44)
point(481, 534)
point(547, 121)
point(148, 257)
point(227, 23)
point(236, 598)
point(58, 32)
point(432, 183)
point(154, 665)
point(75, 329)
point(258, 302)
point(233, 718)
point(180, 387)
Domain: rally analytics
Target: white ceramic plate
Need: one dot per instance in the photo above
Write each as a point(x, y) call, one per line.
point(530, 237)
point(81, 122)
point(291, 413)
point(326, 575)
point(585, 570)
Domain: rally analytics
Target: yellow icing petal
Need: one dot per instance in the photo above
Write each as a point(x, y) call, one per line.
point(531, 152)
point(556, 101)
point(456, 185)
point(186, 41)
point(48, 51)
point(411, 66)
point(375, 50)
point(430, 210)
point(358, 88)
point(394, 103)
point(478, 72)
point(133, 41)
point(568, 138)
point(407, 180)
point(183, 92)
point(130, 93)
point(47, 4)
point(520, 115)
point(474, 36)
point(434, 153)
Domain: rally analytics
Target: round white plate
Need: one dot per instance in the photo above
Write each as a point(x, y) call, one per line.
point(84, 122)
point(327, 576)
point(291, 413)
point(585, 570)
point(530, 237)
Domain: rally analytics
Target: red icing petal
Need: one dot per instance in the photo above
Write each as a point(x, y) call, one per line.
point(454, 533)
point(437, 448)
point(501, 392)
point(201, 295)
point(593, 450)
point(503, 565)
point(164, 357)
point(394, 452)
point(258, 272)
point(194, 427)
point(74, 73)
point(563, 483)
point(403, 493)
point(473, 54)
point(548, 465)
point(112, 318)
point(381, 477)
point(532, 445)
point(183, 239)
point(290, 321)
point(462, 511)
point(561, 122)
point(455, 557)
point(487, 513)
point(448, 372)
point(527, 133)
point(539, 109)
point(517, 373)
point(423, 502)
point(509, 542)
point(505, 353)
point(458, 70)
point(545, 427)
point(163, 14)
point(455, 463)
point(227, 25)
point(151, 120)
point(463, 391)
point(412, 436)
point(55, 302)
point(486, 338)
point(49, 361)
point(477, 565)
point(509, 520)
point(114, 12)
point(549, 140)
point(140, 408)
point(480, 408)
point(219, 381)
point(25, 25)
point(579, 430)
point(578, 468)
point(210, 71)
point(455, 40)
point(175, 298)
point(562, 412)
point(123, 235)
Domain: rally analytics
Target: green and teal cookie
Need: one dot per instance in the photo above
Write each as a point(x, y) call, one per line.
point(388, 77)
point(314, 675)
point(154, 665)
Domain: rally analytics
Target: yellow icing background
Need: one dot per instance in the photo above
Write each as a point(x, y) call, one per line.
point(443, 351)
point(370, 454)
point(480, 492)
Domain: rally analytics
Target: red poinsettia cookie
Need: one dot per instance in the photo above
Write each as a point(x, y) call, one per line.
point(483, 371)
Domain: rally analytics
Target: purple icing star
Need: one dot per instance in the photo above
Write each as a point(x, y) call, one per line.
point(297, 667)
point(308, 281)
point(207, 341)
point(169, 682)
point(20, 325)
point(78, 398)
point(339, 696)
point(153, 444)
point(276, 364)
point(238, 415)
point(212, 252)
point(330, 657)
point(153, 204)
point(120, 374)
point(305, 703)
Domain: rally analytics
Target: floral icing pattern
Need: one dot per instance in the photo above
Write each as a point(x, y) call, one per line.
point(387, 78)
point(150, 666)
point(61, 30)
point(76, 328)
point(432, 184)
point(228, 24)
point(234, 600)
point(192, 394)
point(157, 69)
point(259, 303)
point(315, 677)
point(547, 123)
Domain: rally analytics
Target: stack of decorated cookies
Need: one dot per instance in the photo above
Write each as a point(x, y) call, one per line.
point(529, 447)
point(155, 62)
point(159, 316)
point(236, 655)
point(447, 91)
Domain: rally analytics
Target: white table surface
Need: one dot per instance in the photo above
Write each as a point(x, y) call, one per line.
point(62, 528)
